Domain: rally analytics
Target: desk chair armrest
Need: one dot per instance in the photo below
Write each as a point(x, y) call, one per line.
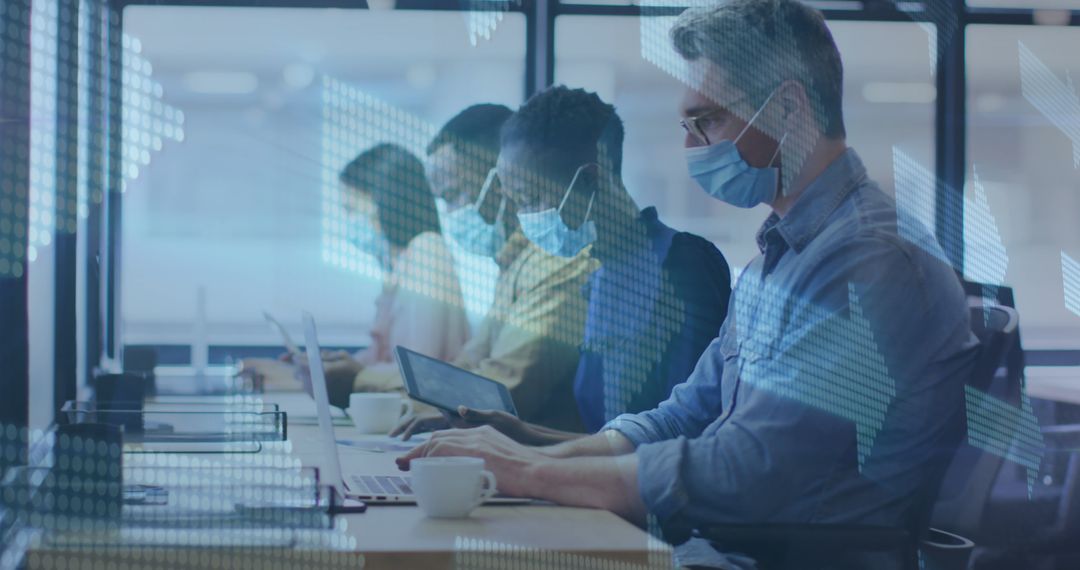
point(863, 538)
point(808, 545)
point(1063, 435)
point(1062, 429)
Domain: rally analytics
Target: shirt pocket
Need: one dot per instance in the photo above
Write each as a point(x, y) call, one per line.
point(729, 348)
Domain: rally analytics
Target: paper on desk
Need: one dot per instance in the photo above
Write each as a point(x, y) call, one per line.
point(387, 445)
point(300, 409)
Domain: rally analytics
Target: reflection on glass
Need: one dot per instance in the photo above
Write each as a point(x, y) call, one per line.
point(229, 222)
point(889, 102)
point(1023, 147)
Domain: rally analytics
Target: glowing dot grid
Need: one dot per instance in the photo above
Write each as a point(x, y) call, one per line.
point(1070, 271)
point(133, 157)
point(483, 16)
point(81, 497)
point(834, 355)
point(43, 88)
point(763, 72)
point(986, 262)
point(1057, 100)
point(14, 184)
point(354, 121)
point(478, 554)
point(147, 122)
point(915, 184)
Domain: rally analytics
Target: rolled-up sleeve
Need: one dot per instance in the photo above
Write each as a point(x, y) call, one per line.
point(736, 474)
point(692, 406)
point(663, 494)
point(841, 413)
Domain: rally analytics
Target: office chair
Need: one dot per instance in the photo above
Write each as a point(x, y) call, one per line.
point(970, 478)
point(1039, 530)
point(962, 489)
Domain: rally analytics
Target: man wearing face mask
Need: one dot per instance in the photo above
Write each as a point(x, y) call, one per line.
point(834, 392)
point(658, 296)
point(529, 339)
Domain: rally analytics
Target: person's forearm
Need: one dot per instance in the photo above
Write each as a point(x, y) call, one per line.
point(604, 444)
point(541, 435)
point(608, 483)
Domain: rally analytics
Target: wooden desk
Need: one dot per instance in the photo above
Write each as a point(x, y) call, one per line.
point(399, 536)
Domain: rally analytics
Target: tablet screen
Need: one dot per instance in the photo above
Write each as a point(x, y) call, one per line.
point(440, 384)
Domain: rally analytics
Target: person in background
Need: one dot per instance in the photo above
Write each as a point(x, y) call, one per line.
point(835, 390)
point(392, 217)
point(658, 297)
point(530, 336)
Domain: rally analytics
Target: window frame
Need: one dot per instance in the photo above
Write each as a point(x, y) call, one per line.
point(540, 15)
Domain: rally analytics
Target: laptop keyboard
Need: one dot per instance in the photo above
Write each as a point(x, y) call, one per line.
point(379, 485)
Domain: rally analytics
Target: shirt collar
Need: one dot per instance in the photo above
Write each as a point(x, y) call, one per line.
point(818, 201)
point(514, 246)
point(647, 222)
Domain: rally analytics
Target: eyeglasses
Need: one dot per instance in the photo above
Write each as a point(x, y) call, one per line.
point(693, 125)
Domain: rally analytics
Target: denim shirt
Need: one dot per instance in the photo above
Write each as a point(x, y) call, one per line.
point(834, 392)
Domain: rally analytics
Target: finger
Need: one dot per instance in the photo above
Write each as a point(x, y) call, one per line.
point(416, 426)
point(416, 452)
point(402, 427)
point(476, 416)
point(443, 449)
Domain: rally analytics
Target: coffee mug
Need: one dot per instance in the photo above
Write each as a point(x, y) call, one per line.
point(377, 412)
point(451, 487)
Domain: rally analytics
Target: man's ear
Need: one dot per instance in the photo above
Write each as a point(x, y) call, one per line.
point(794, 99)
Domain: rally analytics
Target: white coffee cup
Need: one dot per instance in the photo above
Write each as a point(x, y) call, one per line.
point(377, 412)
point(451, 487)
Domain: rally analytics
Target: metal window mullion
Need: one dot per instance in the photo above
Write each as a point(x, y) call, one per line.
point(15, 189)
point(96, 169)
point(114, 176)
point(951, 137)
point(66, 205)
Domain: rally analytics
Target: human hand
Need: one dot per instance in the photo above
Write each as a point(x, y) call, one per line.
point(512, 463)
point(420, 423)
point(252, 370)
point(267, 374)
point(333, 355)
point(508, 424)
point(340, 372)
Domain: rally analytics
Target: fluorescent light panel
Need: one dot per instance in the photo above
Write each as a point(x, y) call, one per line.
point(221, 82)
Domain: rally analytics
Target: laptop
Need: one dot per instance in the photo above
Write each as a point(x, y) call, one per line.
point(366, 487)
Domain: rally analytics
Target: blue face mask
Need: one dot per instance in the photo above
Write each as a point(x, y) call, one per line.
point(721, 171)
point(469, 229)
point(363, 235)
point(550, 233)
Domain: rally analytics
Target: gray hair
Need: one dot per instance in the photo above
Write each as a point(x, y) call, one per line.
point(761, 43)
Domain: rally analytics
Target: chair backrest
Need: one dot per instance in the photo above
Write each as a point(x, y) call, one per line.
point(970, 477)
point(996, 327)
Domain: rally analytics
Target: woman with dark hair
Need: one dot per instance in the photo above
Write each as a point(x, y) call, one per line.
point(393, 217)
point(390, 182)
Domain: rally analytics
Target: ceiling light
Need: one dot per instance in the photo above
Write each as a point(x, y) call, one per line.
point(221, 82)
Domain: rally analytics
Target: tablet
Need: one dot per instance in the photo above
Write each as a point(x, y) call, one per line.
point(446, 387)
